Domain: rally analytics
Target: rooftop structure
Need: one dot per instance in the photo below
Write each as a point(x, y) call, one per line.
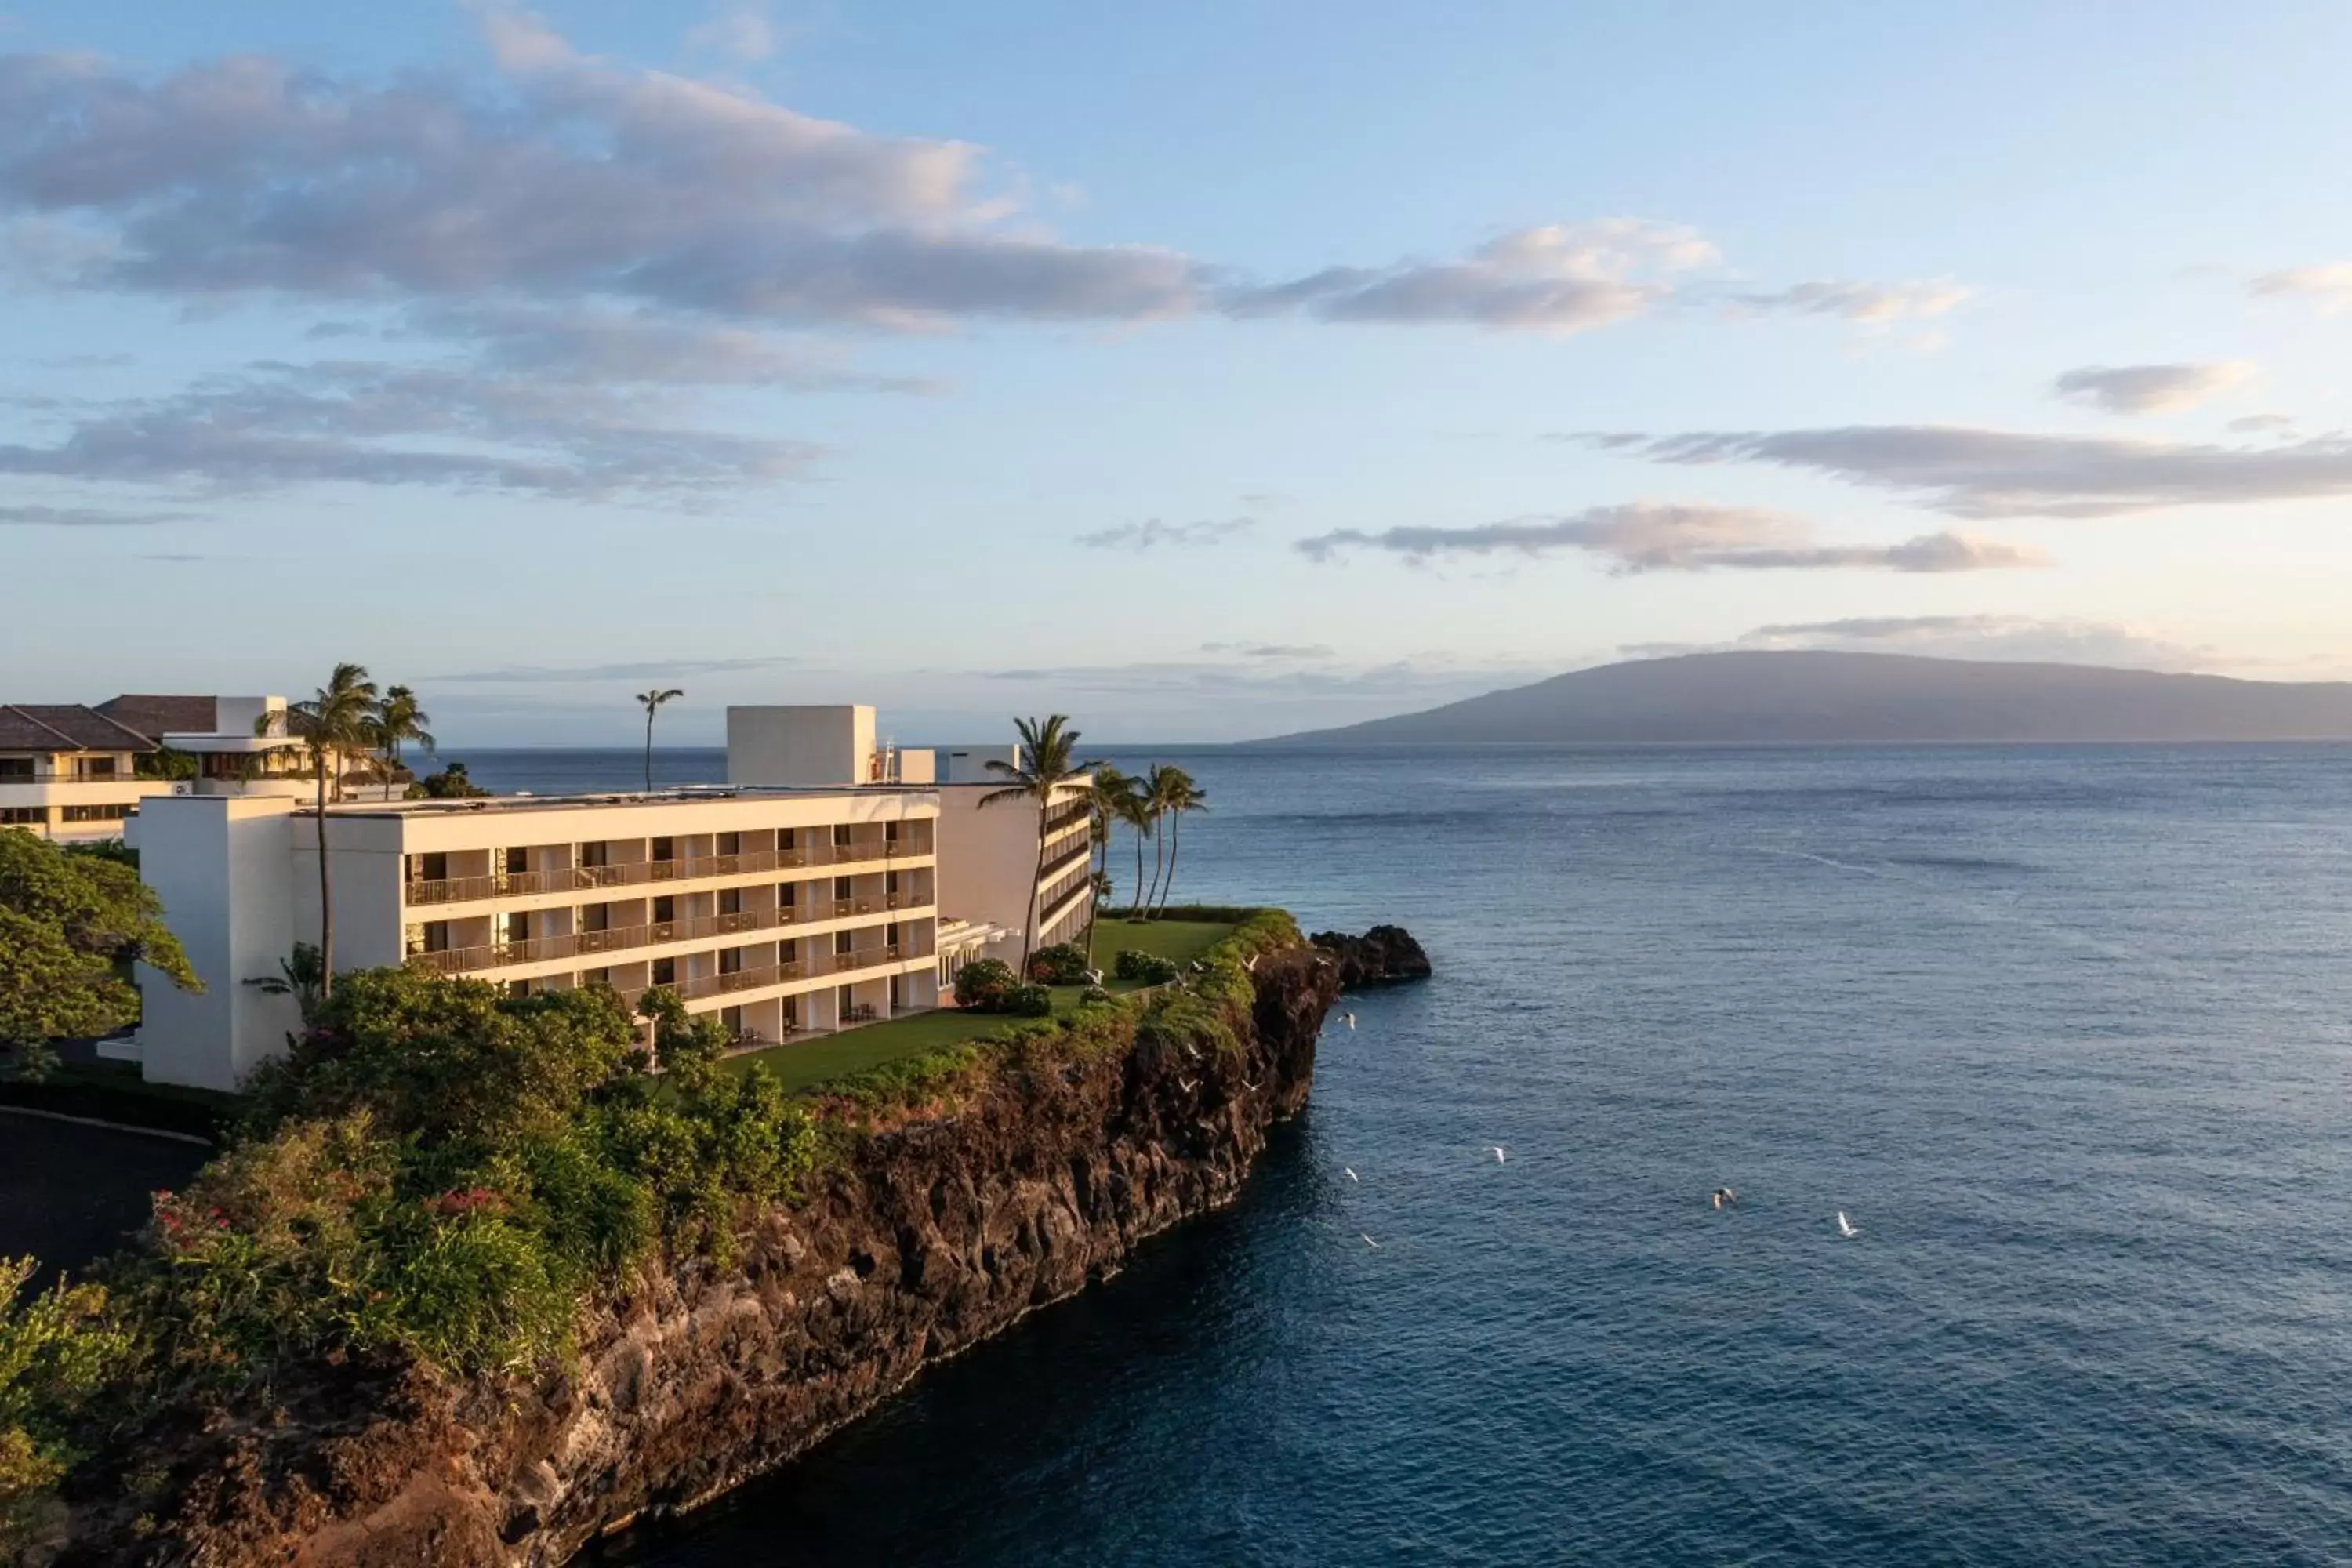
point(73, 773)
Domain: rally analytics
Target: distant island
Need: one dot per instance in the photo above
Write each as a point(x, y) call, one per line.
point(1809, 698)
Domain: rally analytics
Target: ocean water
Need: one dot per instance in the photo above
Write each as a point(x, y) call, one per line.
point(2066, 1032)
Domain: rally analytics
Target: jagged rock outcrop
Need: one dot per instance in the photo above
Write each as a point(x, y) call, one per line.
point(925, 1240)
point(1384, 955)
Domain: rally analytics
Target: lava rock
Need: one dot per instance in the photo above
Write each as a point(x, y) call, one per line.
point(1384, 955)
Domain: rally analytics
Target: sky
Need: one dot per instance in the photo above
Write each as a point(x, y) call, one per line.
point(1202, 372)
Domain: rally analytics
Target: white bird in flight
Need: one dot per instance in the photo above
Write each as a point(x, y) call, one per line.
point(1499, 1155)
point(1348, 1019)
point(1351, 1172)
point(1370, 1242)
point(1187, 1085)
point(1250, 963)
point(1846, 1226)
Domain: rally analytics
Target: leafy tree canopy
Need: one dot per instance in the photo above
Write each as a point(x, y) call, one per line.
point(71, 926)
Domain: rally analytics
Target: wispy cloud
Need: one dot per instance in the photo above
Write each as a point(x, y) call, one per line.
point(742, 31)
point(2151, 388)
point(1655, 536)
point(81, 517)
point(650, 669)
point(2328, 287)
point(1275, 650)
point(1153, 534)
point(1977, 473)
point(1869, 304)
point(2011, 639)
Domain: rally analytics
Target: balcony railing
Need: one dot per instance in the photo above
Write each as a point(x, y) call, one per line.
point(619, 938)
point(784, 974)
point(633, 873)
point(1063, 817)
point(1068, 858)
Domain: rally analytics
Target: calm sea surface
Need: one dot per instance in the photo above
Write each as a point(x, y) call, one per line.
point(2066, 1032)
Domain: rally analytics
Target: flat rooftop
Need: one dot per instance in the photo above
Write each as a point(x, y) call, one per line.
point(687, 795)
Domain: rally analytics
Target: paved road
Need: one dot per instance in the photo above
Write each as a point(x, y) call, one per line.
point(69, 1193)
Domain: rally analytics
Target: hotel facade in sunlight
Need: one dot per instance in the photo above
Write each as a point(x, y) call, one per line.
point(78, 774)
point(832, 881)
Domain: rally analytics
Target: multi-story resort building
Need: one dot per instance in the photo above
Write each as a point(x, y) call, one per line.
point(831, 882)
point(72, 773)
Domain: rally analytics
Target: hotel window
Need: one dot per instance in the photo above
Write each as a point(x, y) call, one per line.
point(517, 861)
point(665, 911)
point(596, 854)
point(18, 816)
point(784, 839)
point(514, 925)
point(16, 768)
point(730, 961)
point(665, 971)
point(841, 887)
point(791, 1014)
point(731, 1020)
point(890, 883)
point(842, 941)
point(429, 936)
point(596, 977)
point(93, 767)
point(840, 833)
point(788, 951)
point(889, 833)
point(428, 867)
point(890, 933)
point(730, 901)
point(593, 916)
point(664, 849)
point(787, 894)
point(730, 844)
point(95, 813)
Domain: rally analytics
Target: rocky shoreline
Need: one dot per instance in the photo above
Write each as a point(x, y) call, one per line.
point(930, 1237)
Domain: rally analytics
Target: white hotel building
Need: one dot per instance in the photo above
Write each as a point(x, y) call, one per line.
point(831, 882)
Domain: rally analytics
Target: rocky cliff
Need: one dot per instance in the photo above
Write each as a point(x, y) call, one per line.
point(925, 1238)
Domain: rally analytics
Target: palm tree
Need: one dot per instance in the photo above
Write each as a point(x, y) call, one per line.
point(1046, 747)
point(652, 702)
point(1104, 797)
point(398, 719)
point(1135, 810)
point(1184, 796)
point(330, 722)
point(1160, 786)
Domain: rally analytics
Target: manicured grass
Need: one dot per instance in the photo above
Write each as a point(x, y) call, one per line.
point(804, 1064)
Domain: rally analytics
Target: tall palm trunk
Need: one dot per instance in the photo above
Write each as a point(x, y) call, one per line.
point(1094, 888)
point(649, 750)
point(1159, 862)
point(326, 895)
point(1135, 905)
point(1175, 842)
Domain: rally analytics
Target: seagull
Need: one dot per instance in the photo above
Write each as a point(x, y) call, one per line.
point(1723, 1198)
point(1499, 1156)
point(1249, 1086)
point(1351, 1172)
point(1094, 976)
point(1370, 1242)
point(1348, 1019)
point(1250, 963)
point(1187, 1085)
point(1846, 1226)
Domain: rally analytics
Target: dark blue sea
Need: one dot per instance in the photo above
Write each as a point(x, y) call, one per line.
point(2067, 1033)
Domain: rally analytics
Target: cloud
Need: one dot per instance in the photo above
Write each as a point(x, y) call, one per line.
point(1977, 473)
point(2328, 289)
point(1562, 278)
point(741, 32)
point(666, 669)
point(1153, 533)
point(600, 344)
point(2014, 638)
point(2151, 388)
point(2263, 423)
point(80, 517)
point(1654, 536)
point(1871, 304)
point(1274, 650)
point(359, 421)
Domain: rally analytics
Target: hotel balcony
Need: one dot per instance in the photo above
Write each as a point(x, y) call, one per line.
point(475, 959)
point(633, 873)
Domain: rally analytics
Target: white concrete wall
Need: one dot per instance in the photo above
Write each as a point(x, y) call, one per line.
point(799, 747)
point(969, 764)
point(220, 866)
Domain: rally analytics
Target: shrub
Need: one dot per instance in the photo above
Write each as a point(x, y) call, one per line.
point(54, 1350)
point(1094, 993)
point(983, 985)
point(1064, 963)
point(1031, 1001)
point(1148, 967)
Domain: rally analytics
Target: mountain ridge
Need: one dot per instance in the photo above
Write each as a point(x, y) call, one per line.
point(1820, 697)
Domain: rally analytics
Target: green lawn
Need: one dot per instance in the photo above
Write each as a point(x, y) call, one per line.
point(805, 1063)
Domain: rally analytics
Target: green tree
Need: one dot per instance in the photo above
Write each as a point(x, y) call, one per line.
point(55, 1350)
point(1159, 785)
point(301, 976)
point(396, 720)
point(652, 702)
point(165, 762)
point(331, 723)
point(71, 925)
point(1180, 798)
point(1047, 746)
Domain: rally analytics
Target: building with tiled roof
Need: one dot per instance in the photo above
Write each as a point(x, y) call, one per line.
point(75, 772)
